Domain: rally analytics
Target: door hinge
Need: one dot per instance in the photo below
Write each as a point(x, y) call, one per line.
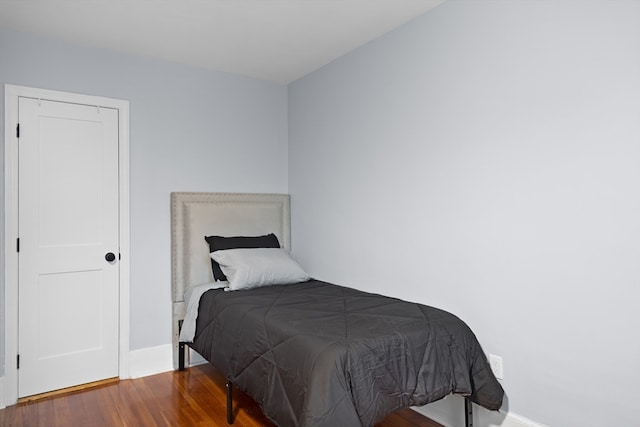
point(18, 361)
point(18, 244)
point(18, 131)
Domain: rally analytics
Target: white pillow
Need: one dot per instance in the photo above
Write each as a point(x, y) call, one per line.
point(252, 268)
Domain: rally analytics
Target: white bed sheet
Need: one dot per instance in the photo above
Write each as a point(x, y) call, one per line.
point(192, 301)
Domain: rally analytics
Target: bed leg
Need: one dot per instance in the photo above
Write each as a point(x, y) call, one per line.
point(229, 402)
point(468, 412)
point(181, 350)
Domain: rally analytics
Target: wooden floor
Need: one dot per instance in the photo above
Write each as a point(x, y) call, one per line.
point(195, 397)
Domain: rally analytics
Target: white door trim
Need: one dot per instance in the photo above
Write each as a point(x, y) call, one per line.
point(11, 95)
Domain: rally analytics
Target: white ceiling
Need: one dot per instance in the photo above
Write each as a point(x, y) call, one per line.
point(276, 40)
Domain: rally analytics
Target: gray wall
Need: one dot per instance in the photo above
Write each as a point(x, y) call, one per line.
point(485, 159)
point(191, 130)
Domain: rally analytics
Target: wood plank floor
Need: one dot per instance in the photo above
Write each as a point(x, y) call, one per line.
point(194, 397)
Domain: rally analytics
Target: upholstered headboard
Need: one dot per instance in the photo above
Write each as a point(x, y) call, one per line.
point(195, 215)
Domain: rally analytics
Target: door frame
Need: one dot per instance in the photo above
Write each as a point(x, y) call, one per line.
point(12, 93)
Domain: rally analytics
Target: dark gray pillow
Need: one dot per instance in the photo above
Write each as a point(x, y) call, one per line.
point(217, 243)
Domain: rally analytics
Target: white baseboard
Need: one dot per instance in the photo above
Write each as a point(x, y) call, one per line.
point(514, 420)
point(450, 413)
point(3, 402)
point(195, 358)
point(151, 361)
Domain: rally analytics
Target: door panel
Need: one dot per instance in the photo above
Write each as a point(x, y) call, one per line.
point(53, 291)
point(68, 221)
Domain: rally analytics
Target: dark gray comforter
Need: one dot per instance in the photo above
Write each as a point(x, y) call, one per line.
point(316, 354)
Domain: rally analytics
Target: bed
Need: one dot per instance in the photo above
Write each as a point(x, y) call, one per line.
point(312, 353)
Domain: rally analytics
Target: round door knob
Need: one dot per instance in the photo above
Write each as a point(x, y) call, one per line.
point(110, 256)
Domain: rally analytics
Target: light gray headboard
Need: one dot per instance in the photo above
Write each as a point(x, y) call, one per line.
point(195, 215)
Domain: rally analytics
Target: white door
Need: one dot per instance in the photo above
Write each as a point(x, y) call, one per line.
point(68, 223)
